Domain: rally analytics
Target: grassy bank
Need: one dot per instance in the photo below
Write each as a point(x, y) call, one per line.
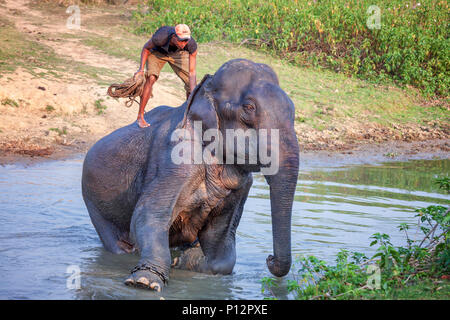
point(331, 108)
point(404, 41)
point(321, 96)
point(333, 111)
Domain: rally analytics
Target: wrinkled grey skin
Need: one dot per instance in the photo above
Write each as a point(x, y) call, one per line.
point(138, 199)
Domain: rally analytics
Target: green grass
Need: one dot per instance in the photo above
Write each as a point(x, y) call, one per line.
point(423, 289)
point(49, 108)
point(20, 50)
point(410, 45)
point(59, 131)
point(10, 102)
point(323, 98)
point(99, 107)
point(116, 48)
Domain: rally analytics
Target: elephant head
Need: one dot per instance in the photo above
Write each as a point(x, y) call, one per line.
point(242, 96)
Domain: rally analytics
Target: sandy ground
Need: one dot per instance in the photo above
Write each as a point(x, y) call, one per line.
point(58, 118)
point(71, 124)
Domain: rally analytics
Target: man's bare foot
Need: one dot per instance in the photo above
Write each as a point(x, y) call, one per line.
point(142, 123)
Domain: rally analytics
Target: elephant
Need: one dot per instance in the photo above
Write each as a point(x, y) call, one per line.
point(141, 197)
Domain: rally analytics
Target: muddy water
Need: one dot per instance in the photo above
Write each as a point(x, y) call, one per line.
point(45, 229)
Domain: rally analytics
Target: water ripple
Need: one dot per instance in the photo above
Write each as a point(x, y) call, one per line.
point(44, 228)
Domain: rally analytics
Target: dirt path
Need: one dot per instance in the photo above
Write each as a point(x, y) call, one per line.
point(52, 117)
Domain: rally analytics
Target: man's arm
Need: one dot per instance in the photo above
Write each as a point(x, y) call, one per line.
point(144, 54)
point(192, 71)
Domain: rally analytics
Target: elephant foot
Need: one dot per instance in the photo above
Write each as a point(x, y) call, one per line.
point(146, 278)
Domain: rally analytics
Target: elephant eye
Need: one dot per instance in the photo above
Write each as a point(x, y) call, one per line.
point(249, 107)
point(249, 113)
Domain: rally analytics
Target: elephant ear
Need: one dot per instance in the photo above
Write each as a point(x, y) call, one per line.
point(200, 106)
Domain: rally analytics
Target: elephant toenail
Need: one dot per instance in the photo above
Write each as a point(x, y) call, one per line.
point(143, 280)
point(129, 281)
point(155, 286)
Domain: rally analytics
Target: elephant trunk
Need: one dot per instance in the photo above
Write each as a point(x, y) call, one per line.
point(282, 190)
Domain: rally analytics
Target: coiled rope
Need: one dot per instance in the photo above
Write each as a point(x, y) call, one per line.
point(130, 88)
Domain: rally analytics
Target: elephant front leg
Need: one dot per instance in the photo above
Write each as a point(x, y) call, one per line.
point(149, 230)
point(217, 239)
point(216, 253)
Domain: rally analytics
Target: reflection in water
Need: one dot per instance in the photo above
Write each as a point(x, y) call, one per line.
point(44, 228)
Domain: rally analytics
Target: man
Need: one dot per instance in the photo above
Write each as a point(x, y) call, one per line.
point(175, 46)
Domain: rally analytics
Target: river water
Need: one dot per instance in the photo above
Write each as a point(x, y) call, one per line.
point(46, 235)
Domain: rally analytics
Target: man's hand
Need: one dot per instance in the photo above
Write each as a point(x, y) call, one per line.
point(144, 56)
point(138, 72)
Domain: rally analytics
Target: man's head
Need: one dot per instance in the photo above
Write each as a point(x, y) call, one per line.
point(183, 32)
point(182, 35)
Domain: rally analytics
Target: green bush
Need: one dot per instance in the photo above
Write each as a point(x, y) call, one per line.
point(411, 47)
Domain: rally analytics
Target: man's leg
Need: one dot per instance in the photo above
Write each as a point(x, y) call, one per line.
point(154, 65)
point(179, 62)
point(147, 93)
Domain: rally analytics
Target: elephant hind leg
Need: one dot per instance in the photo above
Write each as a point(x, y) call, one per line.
point(114, 240)
point(125, 245)
point(191, 259)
